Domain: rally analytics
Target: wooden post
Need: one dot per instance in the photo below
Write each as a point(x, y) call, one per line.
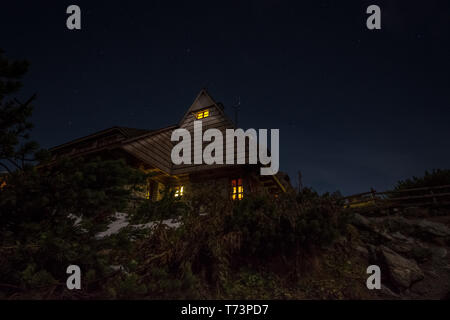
point(434, 198)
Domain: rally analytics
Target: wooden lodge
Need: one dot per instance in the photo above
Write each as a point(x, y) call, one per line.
point(150, 150)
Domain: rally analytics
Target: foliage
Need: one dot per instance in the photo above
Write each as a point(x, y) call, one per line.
point(167, 207)
point(247, 248)
point(16, 149)
point(49, 217)
point(50, 214)
point(246, 233)
point(437, 177)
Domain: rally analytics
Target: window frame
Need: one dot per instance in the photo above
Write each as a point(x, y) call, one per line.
point(179, 191)
point(202, 114)
point(237, 189)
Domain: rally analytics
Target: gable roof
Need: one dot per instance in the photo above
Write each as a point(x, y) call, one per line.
point(126, 132)
point(150, 146)
point(153, 147)
point(204, 101)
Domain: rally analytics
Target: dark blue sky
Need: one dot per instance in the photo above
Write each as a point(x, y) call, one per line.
point(355, 108)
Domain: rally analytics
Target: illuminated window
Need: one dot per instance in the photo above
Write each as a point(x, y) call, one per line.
point(179, 191)
point(202, 114)
point(237, 189)
point(148, 191)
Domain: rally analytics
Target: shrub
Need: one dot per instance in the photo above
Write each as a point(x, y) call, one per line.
point(238, 234)
point(434, 178)
point(39, 238)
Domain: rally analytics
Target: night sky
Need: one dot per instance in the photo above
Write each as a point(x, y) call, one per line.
point(356, 108)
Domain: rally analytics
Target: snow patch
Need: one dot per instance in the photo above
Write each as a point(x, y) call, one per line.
point(121, 221)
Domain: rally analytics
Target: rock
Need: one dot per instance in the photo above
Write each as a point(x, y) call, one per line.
point(388, 292)
point(384, 236)
point(409, 247)
point(393, 224)
point(439, 252)
point(363, 252)
point(414, 227)
point(402, 246)
point(362, 222)
point(421, 288)
point(432, 273)
point(432, 228)
point(398, 236)
point(373, 253)
point(400, 223)
point(402, 272)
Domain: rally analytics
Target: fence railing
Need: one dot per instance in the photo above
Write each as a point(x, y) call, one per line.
point(438, 195)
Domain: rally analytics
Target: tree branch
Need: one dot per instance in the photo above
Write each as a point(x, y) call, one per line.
point(13, 163)
point(5, 167)
point(27, 102)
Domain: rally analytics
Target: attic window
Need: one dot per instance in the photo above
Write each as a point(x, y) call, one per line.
point(237, 189)
point(202, 114)
point(179, 191)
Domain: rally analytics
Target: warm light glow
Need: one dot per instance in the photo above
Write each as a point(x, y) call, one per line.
point(179, 191)
point(237, 189)
point(202, 114)
point(149, 190)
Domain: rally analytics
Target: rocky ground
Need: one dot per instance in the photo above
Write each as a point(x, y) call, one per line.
point(411, 247)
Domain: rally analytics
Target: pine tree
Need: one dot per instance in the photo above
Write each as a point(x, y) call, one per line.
point(16, 148)
point(50, 214)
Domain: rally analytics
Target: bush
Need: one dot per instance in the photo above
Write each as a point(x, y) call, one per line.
point(168, 207)
point(429, 179)
point(39, 238)
point(247, 233)
point(285, 226)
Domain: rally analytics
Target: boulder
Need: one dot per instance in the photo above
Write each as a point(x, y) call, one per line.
point(409, 247)
point(388, 293)
point(363, 252)
point(402, 272)
point(361, 222)
point(412, 227)
point(439, 252)
point(401, 244)
point(432, 228)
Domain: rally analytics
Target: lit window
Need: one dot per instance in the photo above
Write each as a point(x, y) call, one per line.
point(179, 191)
point(147, 192)
point(237, 189)
point(202, 114)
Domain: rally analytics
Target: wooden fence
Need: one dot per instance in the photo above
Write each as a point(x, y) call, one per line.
point(439, 195)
